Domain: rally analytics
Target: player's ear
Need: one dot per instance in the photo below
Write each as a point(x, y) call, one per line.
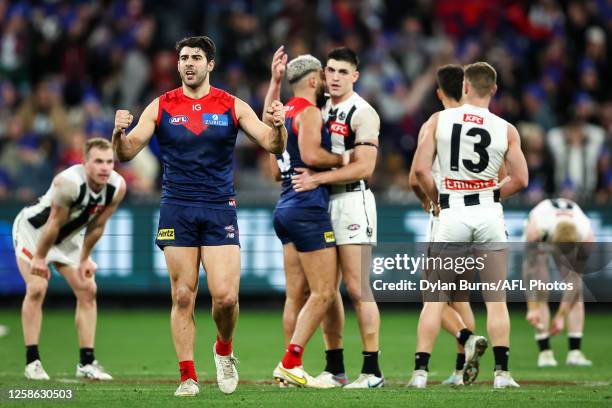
point(211, 65)
point(465, 87)
point(494, 90)
point(439, 94)
point(355, 76)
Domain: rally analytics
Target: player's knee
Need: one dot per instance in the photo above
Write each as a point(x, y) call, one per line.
point(36, 290)
point(354, 291)
point(183, 298)
point(325, 295)
point(88, 292)
point(225, 301)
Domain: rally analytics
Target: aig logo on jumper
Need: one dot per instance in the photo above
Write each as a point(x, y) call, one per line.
point(179, 120)
point(215, 119)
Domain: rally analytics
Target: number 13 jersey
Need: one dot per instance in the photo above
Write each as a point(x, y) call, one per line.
point(471, 144)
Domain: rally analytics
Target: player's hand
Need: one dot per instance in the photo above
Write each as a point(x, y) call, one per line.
point(276, 114)
point(436, 209)
point(123, 120)
point(534, 319)
point(557, 325)
point(303, 180)
point(426, 204)
point(279, 64)
point(87, 268)
point(39, 267)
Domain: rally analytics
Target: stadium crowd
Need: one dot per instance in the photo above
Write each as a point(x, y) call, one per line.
point(66, 65)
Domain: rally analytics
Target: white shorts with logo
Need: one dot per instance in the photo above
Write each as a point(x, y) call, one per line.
point(476, 223)
point(25, 239)
point(353, 217)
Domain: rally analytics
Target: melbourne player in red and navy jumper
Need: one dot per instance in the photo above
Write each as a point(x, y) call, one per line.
point(197, 146)
point(301, 218)
point(196, 127)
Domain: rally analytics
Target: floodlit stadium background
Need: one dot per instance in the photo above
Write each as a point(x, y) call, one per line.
point(66, 66)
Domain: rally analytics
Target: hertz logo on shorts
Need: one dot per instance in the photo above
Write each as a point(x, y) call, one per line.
point(329, 236)
point(165, 233)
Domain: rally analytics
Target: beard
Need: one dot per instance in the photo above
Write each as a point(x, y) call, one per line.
point(196, 82)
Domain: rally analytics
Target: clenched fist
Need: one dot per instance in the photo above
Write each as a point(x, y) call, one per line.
point(276, 113)
point(123, 120)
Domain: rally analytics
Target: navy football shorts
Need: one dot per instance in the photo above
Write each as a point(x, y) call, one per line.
point(309, 229)
point(185, 226)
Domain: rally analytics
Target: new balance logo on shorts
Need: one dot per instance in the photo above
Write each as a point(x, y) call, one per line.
point(165, 234)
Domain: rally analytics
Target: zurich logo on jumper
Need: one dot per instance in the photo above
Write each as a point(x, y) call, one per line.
point(215, 119)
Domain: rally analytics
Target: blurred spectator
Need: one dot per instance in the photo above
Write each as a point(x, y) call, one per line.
point(43, 114)
point(34, 169)
point(539, 162)
point(576, 148)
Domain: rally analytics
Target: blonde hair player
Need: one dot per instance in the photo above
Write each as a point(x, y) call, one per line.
point(559, 222)
point(83, 196)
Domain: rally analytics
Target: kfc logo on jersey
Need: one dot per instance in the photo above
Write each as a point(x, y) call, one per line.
point(468, 117)
point(179, 120)
point(339, 128)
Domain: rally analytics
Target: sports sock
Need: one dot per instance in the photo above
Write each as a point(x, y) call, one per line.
point(87, 355)
point(460, 362)
point(32, 353)
point(421, 361)
point(334, 361)
point(223, 349)
point(187, 369)
point(501, 354)
point(370, 363)
point(293, 356)
point(544, 344)
point(574, 342)
point(463, 336)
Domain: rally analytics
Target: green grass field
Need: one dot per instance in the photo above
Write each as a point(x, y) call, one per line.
point(135, 346)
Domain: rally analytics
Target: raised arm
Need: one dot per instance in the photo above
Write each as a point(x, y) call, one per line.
point(423, 160)
point(273, 139)
point(309, 124)
point(128, 146)
point(516, 165)
point(277, 70)
point(95, 230)
point(63, 194)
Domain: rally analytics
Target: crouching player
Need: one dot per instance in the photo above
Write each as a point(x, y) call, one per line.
point(83, 196)
point(559, 222)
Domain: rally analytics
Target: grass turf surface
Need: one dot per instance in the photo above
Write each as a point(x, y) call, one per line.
point(136, 348)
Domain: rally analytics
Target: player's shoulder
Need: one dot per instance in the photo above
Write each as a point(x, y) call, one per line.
point(74, 173)
point(222, 99)
point(360, 102)
point(116, 179)
point(363, 107)
point(173, 95)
